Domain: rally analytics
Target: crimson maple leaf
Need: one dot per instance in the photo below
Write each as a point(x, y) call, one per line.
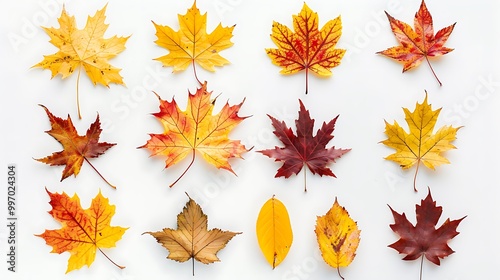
point(424, 239)
point(304, 149)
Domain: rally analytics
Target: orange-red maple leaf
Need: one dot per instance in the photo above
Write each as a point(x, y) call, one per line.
point(196, 129)
point(424, 239)
point(308, 48)
point(83, 231)
point(304, 149)
point(76, 148)
point(419, 44)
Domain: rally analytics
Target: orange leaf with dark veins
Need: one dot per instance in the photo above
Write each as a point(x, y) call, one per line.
point(83, 231)
point(76, 148)
point(308, 48)
point(304, 149)
point(424, 239)
point(419, 44)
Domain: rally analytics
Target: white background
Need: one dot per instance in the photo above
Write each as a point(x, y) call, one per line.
point(365, 89)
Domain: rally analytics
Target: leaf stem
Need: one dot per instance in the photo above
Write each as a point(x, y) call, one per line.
point(189, 166)
point(119, 266)
point(78, 92)
point(421, 266)
point(428, 62)
point(307, 80)
point(305, 180)
point(193, 264)
point(338, 271)
point(415, 177)
point(194, 70)
point(99, 173)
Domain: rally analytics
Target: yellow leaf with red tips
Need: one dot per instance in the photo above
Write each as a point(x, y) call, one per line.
point(196, 130)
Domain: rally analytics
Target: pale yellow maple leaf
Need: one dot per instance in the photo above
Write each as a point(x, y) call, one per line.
point(83, 48)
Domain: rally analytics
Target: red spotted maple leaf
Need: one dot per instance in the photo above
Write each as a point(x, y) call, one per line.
point(419, 44)
point(424, 239)
point(304, 149)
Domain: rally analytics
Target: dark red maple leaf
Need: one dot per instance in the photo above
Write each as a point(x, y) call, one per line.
point(424, 239)
point(304, 149)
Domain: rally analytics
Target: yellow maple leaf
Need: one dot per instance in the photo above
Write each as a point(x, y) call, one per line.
point(191, 43)
point(338, 237)
point(274, 231)
point(196, 129)
point(420, 145)
point(83, 232)
point(85, 48)
point(308, 48)
point(192, 239)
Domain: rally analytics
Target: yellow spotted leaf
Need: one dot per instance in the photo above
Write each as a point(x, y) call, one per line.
point(420, 145)
point(191, 43)
point(307, 47)
point(196, 130)
point(84, 48)
point(338, 237)
point(274, 231)
point(83, 231)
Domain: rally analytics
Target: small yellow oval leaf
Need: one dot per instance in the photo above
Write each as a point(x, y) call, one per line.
point(274, 231)
point(338, 237)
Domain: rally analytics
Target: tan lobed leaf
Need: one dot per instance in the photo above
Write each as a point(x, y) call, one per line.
point(191, 239)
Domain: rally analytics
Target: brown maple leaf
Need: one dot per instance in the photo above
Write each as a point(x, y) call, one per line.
point(419, 44)
point(424, 239)
point(308, 48)
point(76, 148)
point(83, 231)
point(191, 239)
point(304, 149)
